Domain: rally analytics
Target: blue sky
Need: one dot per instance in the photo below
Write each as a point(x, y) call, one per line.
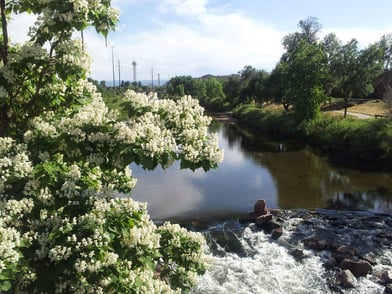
point(197, 37)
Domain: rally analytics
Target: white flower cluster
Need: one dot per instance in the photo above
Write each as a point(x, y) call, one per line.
point(14, 162)
point(83, 158)
point(15, 209)
point(10, 240)
point(178, 124)
point(74, 54)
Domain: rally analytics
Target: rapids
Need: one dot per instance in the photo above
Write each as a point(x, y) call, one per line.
point(245, 260)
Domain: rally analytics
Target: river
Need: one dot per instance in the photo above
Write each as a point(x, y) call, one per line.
point(285, 173)
point(244, 260)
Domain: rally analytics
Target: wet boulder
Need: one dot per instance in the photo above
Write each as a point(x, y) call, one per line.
point(330, 263)
point(346, 279)
point(259, 209)
point(297, 254)
point(384, 279)
point(263, 220)
point(316, 244)
point(387, 290)
point(359, 268)
point(276, 233)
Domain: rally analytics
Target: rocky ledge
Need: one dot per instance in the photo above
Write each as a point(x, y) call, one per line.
point(349, 243)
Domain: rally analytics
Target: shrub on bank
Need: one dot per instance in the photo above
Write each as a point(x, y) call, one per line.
point(367, 141)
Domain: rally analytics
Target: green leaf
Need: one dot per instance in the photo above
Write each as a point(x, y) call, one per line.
point(5, 286)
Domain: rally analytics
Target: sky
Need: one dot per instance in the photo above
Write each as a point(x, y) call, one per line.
point(168, 38)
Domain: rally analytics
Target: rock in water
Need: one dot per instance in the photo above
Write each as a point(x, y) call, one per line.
point(359, 268)
point(347, 279)
point(260, 209)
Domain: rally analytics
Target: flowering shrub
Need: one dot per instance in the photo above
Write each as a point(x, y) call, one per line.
point(81, 239)
point(63, 157)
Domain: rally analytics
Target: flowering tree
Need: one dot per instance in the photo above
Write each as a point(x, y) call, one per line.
point(64, 154)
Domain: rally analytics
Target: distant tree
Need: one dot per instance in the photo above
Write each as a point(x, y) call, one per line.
point(274, 87)
point(357, 69)
point(247, 89)
point(261, 86)
point(386, 45)
point(231, 88)
point(197, 89)
point(186, 85)
point(303, 70)
point(384, 82)
point(310, 27)
point(303, 73)
point(214, 88)
point(332, 47)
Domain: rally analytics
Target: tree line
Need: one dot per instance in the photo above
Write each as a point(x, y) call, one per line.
point(310, 71)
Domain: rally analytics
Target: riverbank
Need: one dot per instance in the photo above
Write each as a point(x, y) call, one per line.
point(364, 144)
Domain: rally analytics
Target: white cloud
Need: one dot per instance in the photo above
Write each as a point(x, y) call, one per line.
point(208, 43)
point(184, 7)
point(364, 36)
point(188, 37)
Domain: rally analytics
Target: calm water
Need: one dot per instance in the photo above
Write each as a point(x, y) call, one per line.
point(287, 174)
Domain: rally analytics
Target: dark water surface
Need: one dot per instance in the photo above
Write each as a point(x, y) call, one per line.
point(287, 174)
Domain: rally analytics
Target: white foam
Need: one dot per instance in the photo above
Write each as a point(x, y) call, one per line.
point(269, 268)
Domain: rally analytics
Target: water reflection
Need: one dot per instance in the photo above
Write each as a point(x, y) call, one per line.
point(287, 174)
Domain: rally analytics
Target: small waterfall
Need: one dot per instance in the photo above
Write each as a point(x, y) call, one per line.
point(245, 260)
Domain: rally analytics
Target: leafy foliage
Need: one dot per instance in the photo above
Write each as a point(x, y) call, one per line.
point(303, 73)
point(64, 156)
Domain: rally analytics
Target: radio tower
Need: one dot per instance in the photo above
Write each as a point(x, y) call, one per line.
point(134, 70)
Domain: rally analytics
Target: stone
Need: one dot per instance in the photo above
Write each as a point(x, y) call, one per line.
point(276, 233)
point(384, 278)
point(346, 279)
point(316, 244)
point(330, 263)
point(297, 254)
point(263, 220)
point(260, 209)
point(359, 268)
point(370, 258)
point(387, 290)
point(346, 250)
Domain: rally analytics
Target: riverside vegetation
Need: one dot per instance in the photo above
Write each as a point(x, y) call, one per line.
point(367, 143)
point(310, 72)
point(64, 155)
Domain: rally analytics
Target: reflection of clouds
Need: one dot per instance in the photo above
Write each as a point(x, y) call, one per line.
point(167, 192)
point(233, 155)
point(199, 173)
point(233, 158)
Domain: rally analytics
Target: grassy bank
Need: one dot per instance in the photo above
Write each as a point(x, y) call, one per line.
point(367, 143)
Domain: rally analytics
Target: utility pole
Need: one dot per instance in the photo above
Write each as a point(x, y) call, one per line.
point(159, 80)
point(152, 79)
point(114, 82)
point(119, 74)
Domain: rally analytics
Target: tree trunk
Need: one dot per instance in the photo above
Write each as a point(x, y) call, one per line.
point(345, 106)
point(4, 46)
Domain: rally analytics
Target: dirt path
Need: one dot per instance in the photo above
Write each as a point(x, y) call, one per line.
point(355, 114)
